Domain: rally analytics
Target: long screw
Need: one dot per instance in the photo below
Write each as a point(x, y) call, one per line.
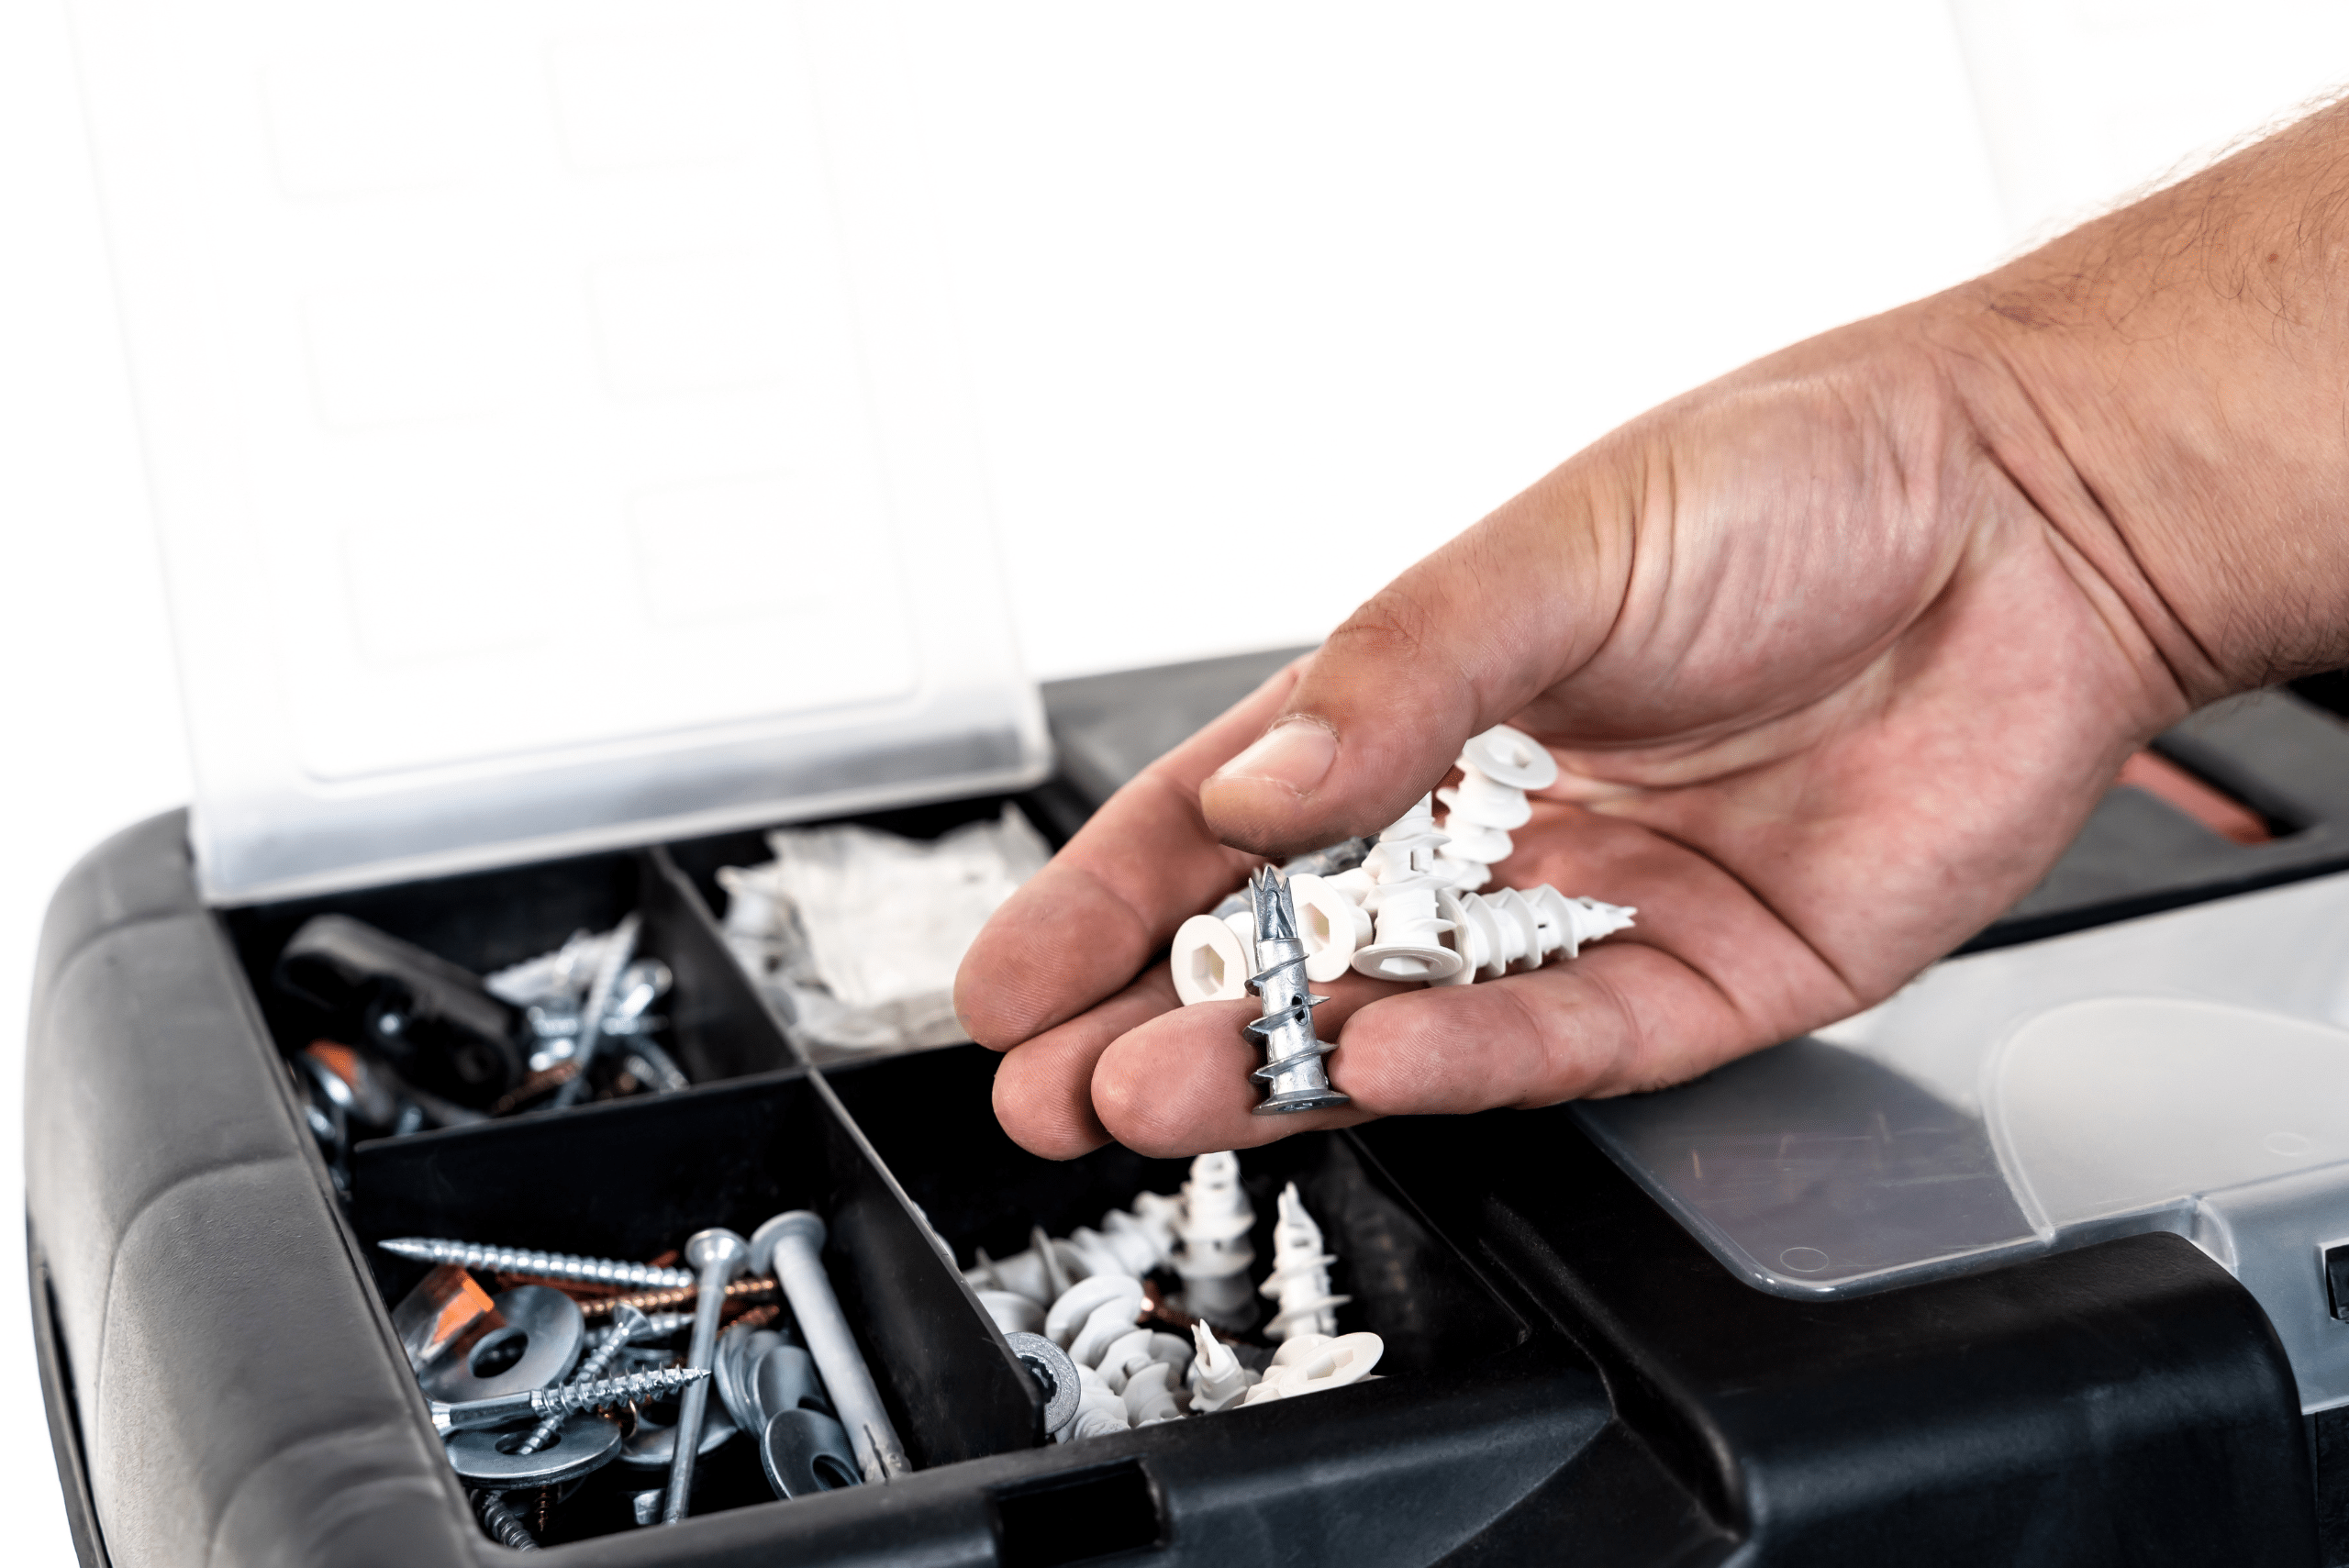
point(545, 1265)
point(757, 1287)
point(616, 953)
point(627, 1323)
point(720, 1254)
point(567, 1400)
point(792, 1242)
point(505, 1526)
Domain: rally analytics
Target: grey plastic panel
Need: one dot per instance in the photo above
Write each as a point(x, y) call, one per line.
point(2185, 1071)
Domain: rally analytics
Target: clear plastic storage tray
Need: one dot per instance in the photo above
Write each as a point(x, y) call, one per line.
point(2187, 1072)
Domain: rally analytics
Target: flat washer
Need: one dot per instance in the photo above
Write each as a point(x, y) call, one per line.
point(804, 1452)
point(551, 1332)
point(588, 1441)
point(649, 1447)
point(1055, 1372)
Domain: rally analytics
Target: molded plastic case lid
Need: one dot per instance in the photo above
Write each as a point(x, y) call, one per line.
point(553, 425)
point(2187, 1072)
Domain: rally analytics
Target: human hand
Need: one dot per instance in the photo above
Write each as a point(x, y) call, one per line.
point(1836, 654)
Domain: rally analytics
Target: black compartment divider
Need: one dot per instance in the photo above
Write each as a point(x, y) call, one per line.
point(722, 1024)
point(968, 1395)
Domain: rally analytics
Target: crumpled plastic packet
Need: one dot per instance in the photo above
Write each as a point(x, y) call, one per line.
point(857, 933)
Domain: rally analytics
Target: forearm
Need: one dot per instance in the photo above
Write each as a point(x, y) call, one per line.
point(2170, 385)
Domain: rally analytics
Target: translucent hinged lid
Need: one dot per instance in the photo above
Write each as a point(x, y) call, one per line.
point(553, 426)
point(2187, 1071)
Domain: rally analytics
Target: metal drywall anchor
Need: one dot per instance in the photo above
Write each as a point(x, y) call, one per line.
point(1294, 1074)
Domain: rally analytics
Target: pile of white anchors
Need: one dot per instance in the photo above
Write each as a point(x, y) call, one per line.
point(1085, 1292)
point(1420, 882)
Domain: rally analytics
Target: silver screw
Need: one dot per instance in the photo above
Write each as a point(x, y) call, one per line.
point(642, 983)
point(1293, 1070)
point(616, 953)
point(568, 1400)
point(627, 1323)
point(719, 1254)
point(657, 1326)
point(655, 1068)
point(540, 1265)
point(792, 1244)
point(505, 1526)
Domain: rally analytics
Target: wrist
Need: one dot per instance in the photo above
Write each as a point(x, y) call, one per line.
point(2172, 401)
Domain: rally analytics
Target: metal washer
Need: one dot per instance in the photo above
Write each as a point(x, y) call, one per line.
point(556, 1332)
point(651, 1447)
point(586, 1442)
point(1054, 1372)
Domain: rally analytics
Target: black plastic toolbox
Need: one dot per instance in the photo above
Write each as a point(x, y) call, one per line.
point(1572, 1376)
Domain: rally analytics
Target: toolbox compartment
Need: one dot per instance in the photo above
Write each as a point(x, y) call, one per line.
point(928, 1117)
point(487, 920)
point(633, 1179)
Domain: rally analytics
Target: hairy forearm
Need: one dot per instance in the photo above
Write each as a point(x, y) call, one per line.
point(2170, 385)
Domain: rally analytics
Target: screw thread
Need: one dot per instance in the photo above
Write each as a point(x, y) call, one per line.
point(568, 1400)
point(756, 1286)
point(598, 1361)
point(627, 1389)
point(546, 1265)
point(503, 1525)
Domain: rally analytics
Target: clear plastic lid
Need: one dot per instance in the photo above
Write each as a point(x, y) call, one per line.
point(2187, 1072)
point(553, 428)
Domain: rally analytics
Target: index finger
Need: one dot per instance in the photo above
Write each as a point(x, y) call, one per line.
point(1082, 928)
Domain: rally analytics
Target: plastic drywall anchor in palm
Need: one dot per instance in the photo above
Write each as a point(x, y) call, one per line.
point(1496, 770)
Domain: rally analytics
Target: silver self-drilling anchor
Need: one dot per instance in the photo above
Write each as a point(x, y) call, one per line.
point(1293, 1075)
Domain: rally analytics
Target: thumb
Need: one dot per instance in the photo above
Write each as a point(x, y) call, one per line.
point(1461, 641)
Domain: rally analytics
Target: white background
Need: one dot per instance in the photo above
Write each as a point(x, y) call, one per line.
point(1257, 303)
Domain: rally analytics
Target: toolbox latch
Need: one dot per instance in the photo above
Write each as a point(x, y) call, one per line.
point(1077, 1516)
point(2336, 1281)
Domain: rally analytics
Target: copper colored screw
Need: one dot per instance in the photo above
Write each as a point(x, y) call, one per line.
point(759, 1288)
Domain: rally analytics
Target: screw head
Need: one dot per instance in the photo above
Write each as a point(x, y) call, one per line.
point(1055, 1374)
point(716, 1245)
point(797, 1222)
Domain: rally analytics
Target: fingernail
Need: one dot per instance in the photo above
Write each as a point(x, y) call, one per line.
point(1296, 752)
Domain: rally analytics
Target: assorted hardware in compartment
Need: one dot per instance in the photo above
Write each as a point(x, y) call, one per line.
point(840, 1351)
point(531, 1402)
point(1201, 1241)
point(450, 1003)
point(630, 1177)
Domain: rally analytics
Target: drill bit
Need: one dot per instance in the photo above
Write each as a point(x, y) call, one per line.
point(1294, 1074)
